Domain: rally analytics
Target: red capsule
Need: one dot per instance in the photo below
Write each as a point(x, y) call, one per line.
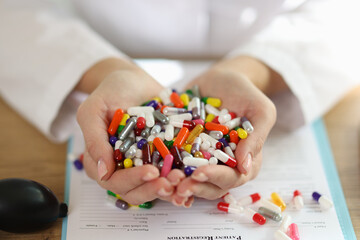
point(138, 131)
point(176, 100)
point(234, 136)
point(181, 137)
point(233, 115)
point(140, 123)
point(118, 155)
point(210, 126)
point(216, 120)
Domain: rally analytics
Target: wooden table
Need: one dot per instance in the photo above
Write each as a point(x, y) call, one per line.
point(25, 153)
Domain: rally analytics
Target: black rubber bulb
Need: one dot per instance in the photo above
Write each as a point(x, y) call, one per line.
point(26, 205)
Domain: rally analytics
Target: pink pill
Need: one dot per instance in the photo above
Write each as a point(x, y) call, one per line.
point(168, 161)
point(206, 155)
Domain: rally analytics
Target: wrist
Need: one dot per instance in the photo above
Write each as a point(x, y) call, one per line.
point(99, 71)
point(262, 76)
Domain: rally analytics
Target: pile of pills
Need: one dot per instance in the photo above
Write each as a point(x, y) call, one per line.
point(272, 210)
point(182, 131)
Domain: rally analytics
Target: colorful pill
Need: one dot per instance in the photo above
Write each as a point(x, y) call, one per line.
point(119, 203)
point(229, 208)
point(196, 162)
point(278, 201)
point(176, 100)
point(178, 161)
point(270, 214)
point(183, 123)
point(324, 202)
point(140, 123)
point(254, 216)
point(215, 102)
point(115, 122)
point(128, 163)
point(196, 131)
point(166, 168)
point(234, 137)
point(188, 170)
point(146, 155)
point(294, 232)
point(249, 199)
point(161, 147)
point(185, 99)
point(298, 200)
point(129, 127)
point(196, 145)
point(181, 137)
point(210, 126)
point(124, 119)
point(209, 117)
point(223, 157)
point(242, 133)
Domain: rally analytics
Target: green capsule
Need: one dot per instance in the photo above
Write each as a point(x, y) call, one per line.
point(189, 92)
point(169, 144)
point(147, 205)
point(111, 193)
point(236, 128)
point(120, 128)
point(204, 99)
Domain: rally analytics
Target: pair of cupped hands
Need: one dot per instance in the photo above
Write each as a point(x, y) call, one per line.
point(116, 83)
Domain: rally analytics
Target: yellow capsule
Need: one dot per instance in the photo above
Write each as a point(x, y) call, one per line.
point(277, 200)
point(124, 119)
point(215, 102)
point(242, 133)
point(194, 133)
point(187, 148)
point(128, 163)
point(185, 98)
point(152, 147)
point(209, 117)
point(198, 154)
point(157, 99)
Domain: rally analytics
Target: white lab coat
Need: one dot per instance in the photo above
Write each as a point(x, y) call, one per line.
point(45, 47)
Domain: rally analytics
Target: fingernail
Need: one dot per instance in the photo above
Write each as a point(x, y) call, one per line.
point(102, 170)
point(175, 203)
point(247, 164)
point(150, 176)
point(200, 177)
point(187, 193)
point(189, 203)
point(176, 182)
point(162, 192)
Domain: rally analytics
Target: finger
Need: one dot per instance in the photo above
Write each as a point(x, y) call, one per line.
point(189, 187)
point(124, 180)
point(222, 176)
point(247, 149)
point(175, 176)
point(92, 119)
point(149, 191)
point(90, 166)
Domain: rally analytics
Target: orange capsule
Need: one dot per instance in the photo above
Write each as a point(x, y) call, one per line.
point(176, 100)
point(210, 126)
point(234, 136)
point(115, 121)
point(181, 137)
point(161, 147)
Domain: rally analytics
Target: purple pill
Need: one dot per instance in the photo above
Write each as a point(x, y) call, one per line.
point(113, 140)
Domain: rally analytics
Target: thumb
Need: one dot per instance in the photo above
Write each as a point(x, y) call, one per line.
point(91, 117)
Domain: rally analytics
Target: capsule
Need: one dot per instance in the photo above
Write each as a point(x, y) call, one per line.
point(161, 117)
point(242, 133)
point(196, 162)
point(197, 130)
point(196, 145)
point(166, 168)
point(138, 162)
point(119, 203)
point(294, 232)
point(153, 103)
point(156, 129)
point(223, 157)
point(146, 132)
point(181, 117)
point(198, 154)
point(150, 120)
point(298, 200)
point(211, 110)
point(216, 127)
point(209, 117)
point(129, 127)
point(206, 155)
point(205, 145)
point(126, 144)
point(216, 134)
point(178, 161)
point(183, 123)
point(169, 132)
point(155, 158)
point(229, 198)
point(185, 99)
point(215, 102)
point(279, 235)
point(224, 118)
point(278, 201)
point(172, 110)
point(269, 205)
point(214, 143)
point(146, 154)
point(140, 110)
point(247, 125)
point(176, 100)
point(181, 137)
point(324, 202)
point(254, 216)
point(165, 96)
point(161, 147)
point(146, 205)
point(128, 163)
point(285, 223)
point(233, 123)
point(230, 208)
point(249, 199)
point(115, 122)
point(196, 111)
point(270, 214)
point(188, 170)
point(130, 153)
point(234, 137)
point(213, 161)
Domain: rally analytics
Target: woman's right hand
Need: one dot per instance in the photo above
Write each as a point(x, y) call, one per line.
point(114, 85)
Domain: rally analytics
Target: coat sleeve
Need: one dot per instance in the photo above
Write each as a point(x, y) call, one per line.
point(313, 47)
point(44, 51)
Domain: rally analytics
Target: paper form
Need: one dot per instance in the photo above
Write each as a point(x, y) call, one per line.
point(290, 161)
